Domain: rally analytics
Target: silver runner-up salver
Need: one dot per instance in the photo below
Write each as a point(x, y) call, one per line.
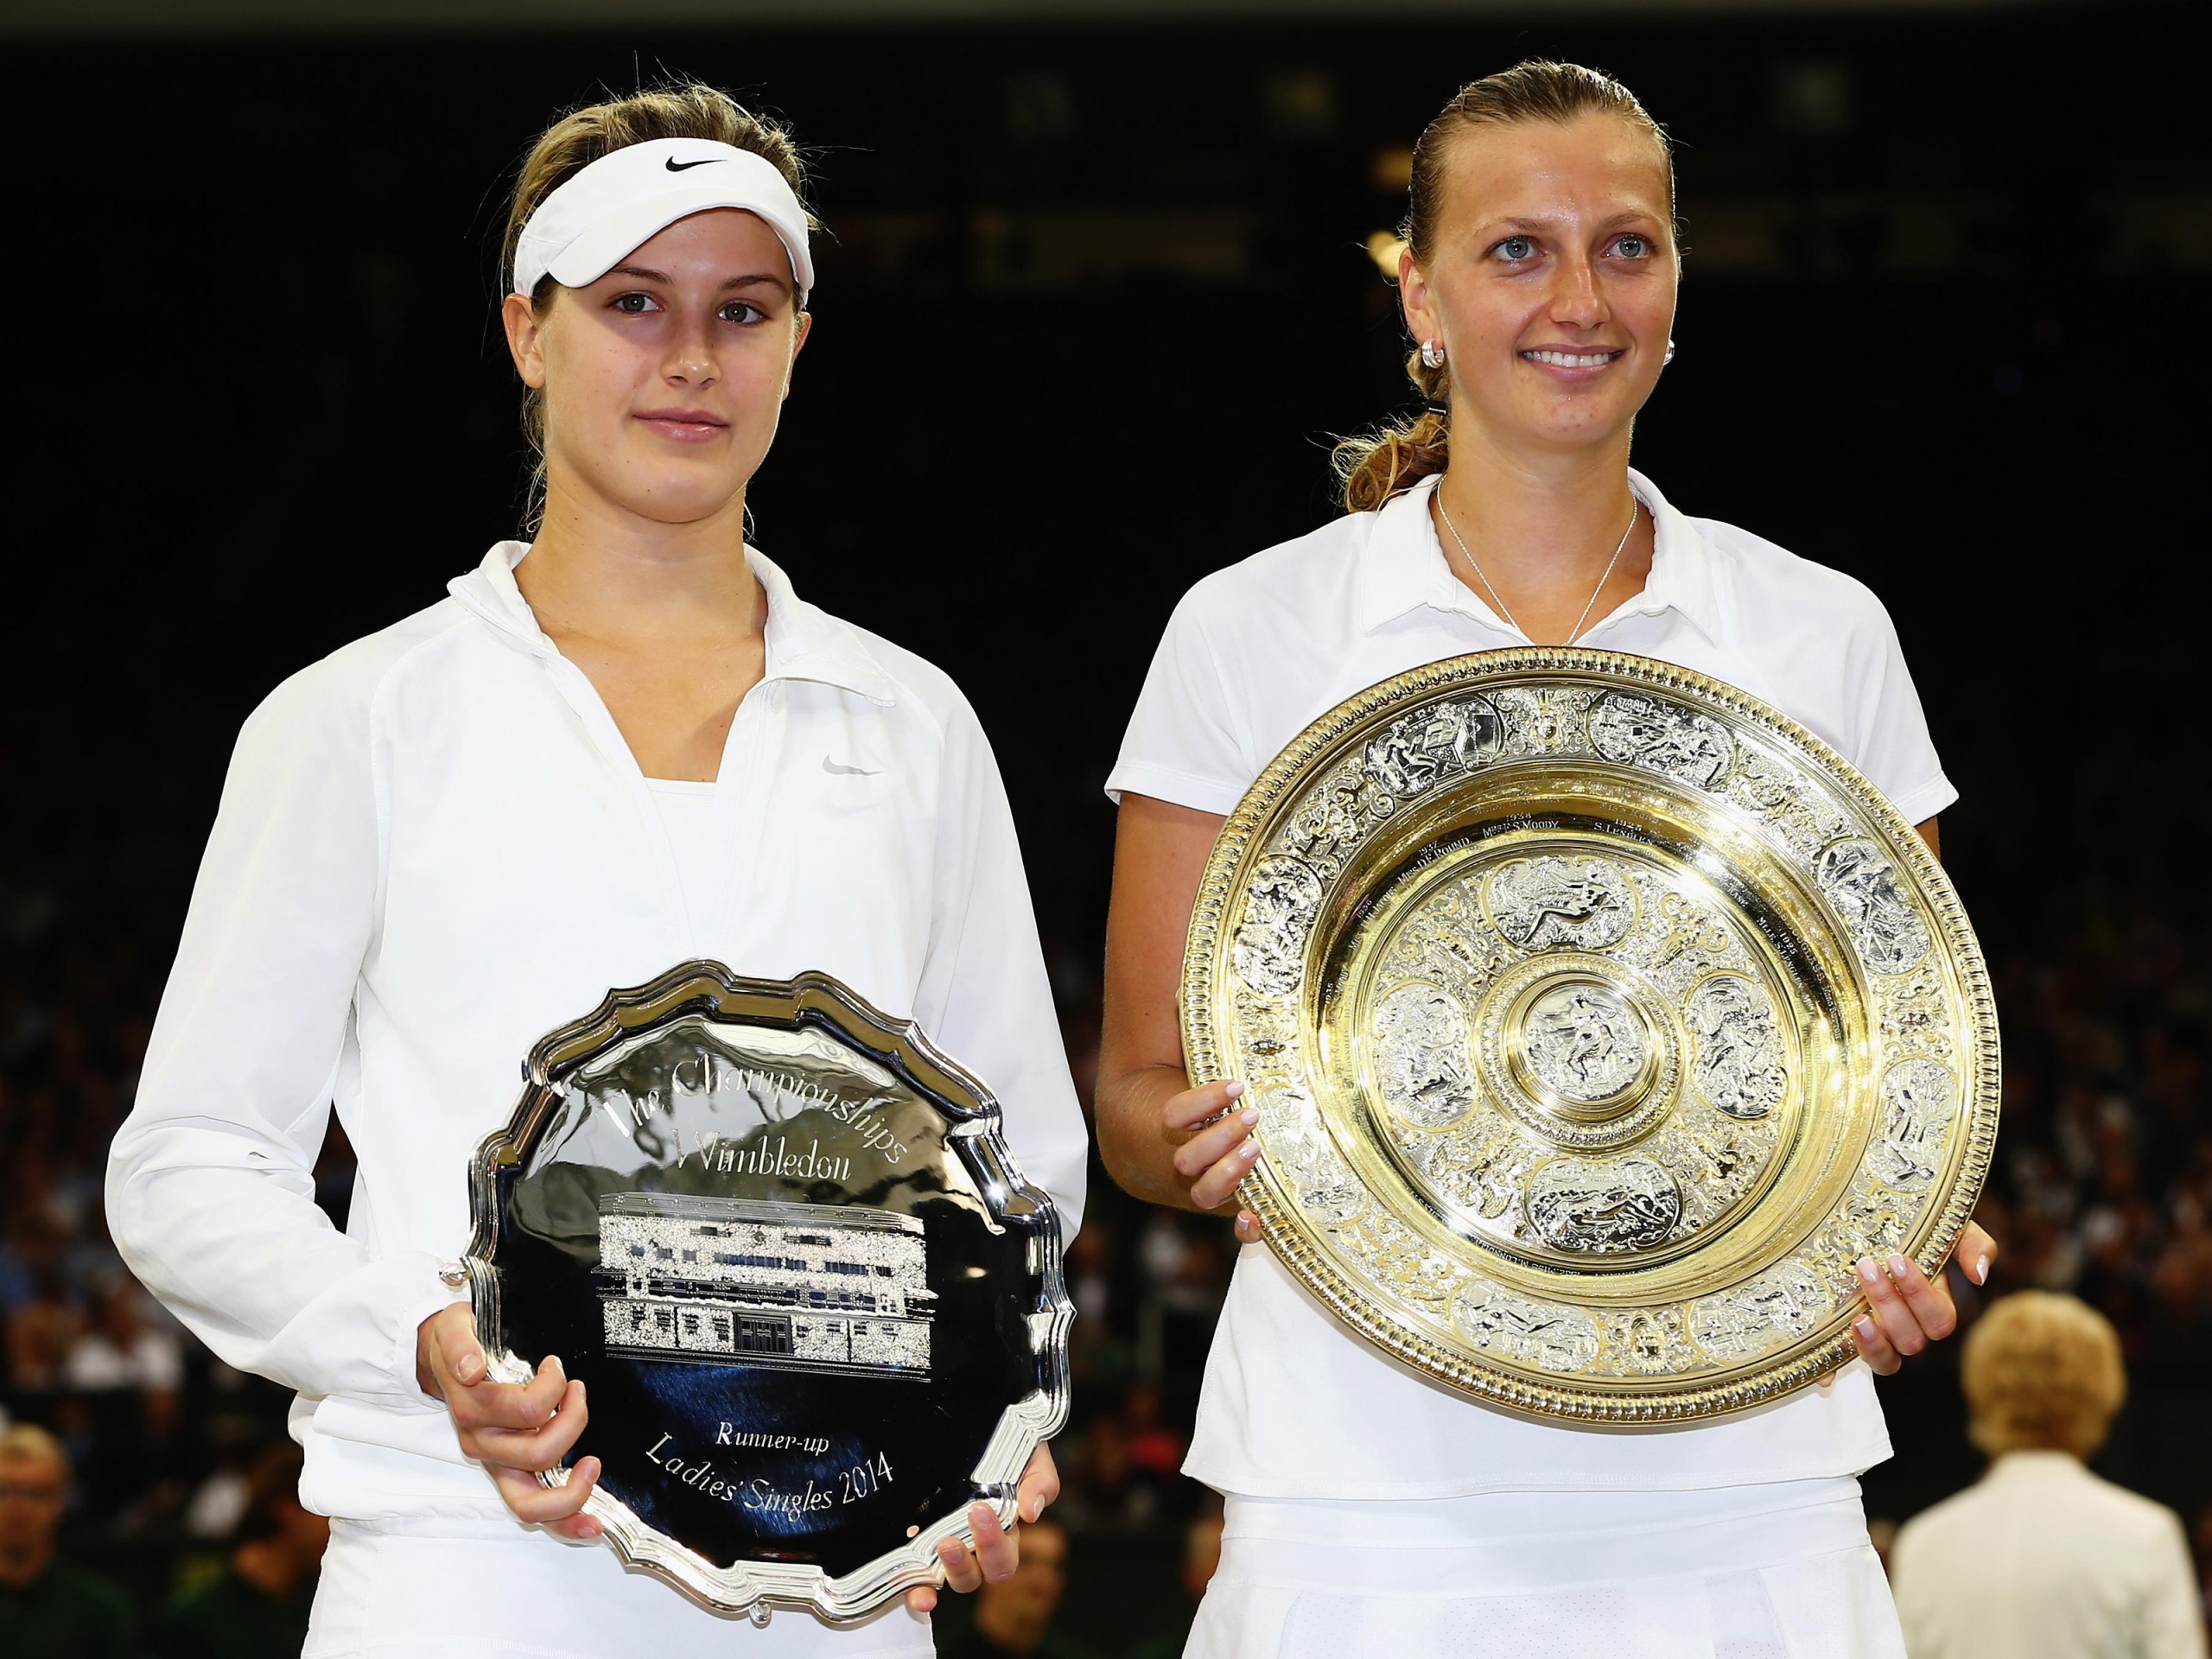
point(818, 1311)
point(1600, 1020)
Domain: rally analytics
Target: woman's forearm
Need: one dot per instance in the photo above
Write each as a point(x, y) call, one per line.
point(1159, 851)
point(1132, 1140)
point(1139, 1148)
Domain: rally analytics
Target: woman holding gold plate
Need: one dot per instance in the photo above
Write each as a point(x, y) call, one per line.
point(1371, 1509)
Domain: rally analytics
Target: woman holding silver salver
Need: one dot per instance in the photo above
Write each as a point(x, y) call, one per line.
point(1369, 1510)
point(624, 743)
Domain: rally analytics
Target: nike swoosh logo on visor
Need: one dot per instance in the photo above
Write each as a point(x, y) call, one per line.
point(675, 166)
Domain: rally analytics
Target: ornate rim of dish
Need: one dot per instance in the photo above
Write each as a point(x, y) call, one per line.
point(1243, 842)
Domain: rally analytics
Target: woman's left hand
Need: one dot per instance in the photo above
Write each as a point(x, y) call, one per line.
point(997, 1550)
point(1905, 1310)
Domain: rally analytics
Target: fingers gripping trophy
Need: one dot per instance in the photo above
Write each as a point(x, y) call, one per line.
point(749, 1304)
point(1577, 1021)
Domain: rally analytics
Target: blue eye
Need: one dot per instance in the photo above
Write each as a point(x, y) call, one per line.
point(1517, 248)
point(1632, 247)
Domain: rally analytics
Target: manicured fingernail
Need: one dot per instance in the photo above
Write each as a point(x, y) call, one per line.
point(1865, 1330)
point(1249, 1149)
point(1868, 1272)
point(1981, 1270)
point(1248, 1118)
point(467, 1366)
point(1235, 1090)
point(1897, 1265)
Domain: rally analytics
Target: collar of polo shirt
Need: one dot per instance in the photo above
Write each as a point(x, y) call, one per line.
point(1404, 568)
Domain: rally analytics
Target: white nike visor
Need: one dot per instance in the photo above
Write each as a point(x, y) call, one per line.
point(625, 198)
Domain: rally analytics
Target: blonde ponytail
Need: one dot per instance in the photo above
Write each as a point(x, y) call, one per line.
point(1375, 466)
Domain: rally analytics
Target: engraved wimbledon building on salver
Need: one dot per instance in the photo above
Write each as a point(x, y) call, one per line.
point(806, 1287)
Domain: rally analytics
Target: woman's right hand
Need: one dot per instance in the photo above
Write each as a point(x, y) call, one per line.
point(514, 1429)
point(1219, 1149)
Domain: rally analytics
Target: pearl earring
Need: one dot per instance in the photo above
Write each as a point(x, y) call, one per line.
point(1432, 354)
point(1669, 358)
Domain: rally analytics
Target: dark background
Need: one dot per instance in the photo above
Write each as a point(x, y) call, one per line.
point(1093, 302)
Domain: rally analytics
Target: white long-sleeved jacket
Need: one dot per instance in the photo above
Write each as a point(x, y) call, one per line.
point(434, 846)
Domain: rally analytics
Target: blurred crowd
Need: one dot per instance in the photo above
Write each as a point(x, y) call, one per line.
point(2103, 1188)
point(2103, 1184)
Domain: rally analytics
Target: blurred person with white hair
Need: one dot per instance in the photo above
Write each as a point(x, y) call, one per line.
point(2041, 1559)
point(49, 1608)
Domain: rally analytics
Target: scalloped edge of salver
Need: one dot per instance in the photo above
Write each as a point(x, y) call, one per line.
point(1654, 1403)
point(755, 1589)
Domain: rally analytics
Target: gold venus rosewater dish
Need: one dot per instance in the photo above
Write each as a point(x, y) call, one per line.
point(1600, 1020)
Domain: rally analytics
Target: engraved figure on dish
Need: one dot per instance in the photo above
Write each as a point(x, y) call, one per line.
point(1332, 823)
point(1271, 936)
point(1474, 1171)
point(1919, 1099)
point(1860, 880)
point(1421, 1033)
point(1783, 1303)
point(1542, 1334)
point(1422, 750)
point(1660, 736)
point(1647, 1342)
point(1493, 1183)
point(816, 1287)
point(1601, 1208)
point(1539, 902)
point(1582, 1041)
point(1739, 1066)
point(1299, 1147)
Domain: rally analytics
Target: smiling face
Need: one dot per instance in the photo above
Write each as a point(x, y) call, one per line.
point(665, 379)
point(1550, 280)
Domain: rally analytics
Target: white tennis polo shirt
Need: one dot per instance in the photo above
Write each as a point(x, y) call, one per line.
point(1294, 1404)
point(434, 846)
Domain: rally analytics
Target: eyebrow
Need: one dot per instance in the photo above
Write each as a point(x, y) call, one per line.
point(644, 274)
point(1526, 222)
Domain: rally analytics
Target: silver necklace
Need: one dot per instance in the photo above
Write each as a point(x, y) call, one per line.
point(1574, 633)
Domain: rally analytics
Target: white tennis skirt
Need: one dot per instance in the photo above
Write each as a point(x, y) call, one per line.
point(1777, 1572)
point(453, 1588)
